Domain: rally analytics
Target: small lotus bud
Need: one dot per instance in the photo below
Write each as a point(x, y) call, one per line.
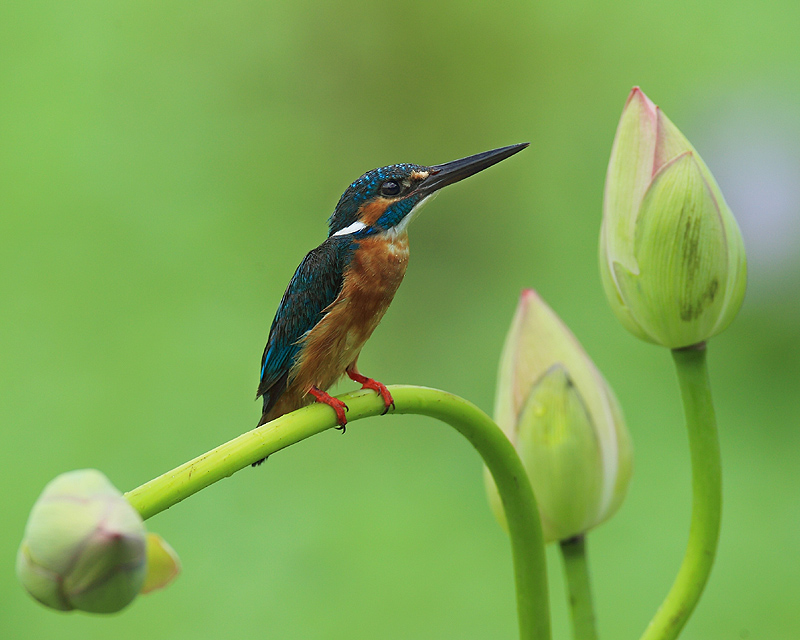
point(672, 258)
point(564, 421)
point(84, 546)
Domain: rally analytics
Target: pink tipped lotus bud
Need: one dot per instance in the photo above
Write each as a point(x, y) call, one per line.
point(672, 258)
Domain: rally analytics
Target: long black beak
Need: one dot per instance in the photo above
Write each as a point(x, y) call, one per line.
point(450, 172)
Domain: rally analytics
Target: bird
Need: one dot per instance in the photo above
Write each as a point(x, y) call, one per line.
point(342, 289)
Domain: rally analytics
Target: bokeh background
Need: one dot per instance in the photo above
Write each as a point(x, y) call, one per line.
point(164, 166)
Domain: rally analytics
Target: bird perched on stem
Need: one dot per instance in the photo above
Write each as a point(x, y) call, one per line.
point(341, 289)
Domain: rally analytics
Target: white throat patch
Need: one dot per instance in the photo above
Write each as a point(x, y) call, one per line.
point(401, 226)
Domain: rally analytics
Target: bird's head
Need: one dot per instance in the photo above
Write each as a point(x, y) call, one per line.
point(385, 200)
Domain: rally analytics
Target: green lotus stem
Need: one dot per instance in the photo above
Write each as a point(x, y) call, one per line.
point(682, 598)
point(576, 572)
point(494, 447)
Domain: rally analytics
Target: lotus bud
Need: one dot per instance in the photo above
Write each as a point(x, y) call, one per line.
point(84, 546)
point(564, 421)
point(672, 258)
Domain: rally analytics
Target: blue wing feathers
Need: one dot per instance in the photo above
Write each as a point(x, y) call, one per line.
point(315, 285)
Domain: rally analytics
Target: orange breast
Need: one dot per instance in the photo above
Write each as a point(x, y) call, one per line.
point(375, 273)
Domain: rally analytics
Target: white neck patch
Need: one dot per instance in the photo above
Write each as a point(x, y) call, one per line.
point(353, 228)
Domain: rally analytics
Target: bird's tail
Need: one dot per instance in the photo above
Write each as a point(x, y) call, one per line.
point(269, 412)
point(264, 419)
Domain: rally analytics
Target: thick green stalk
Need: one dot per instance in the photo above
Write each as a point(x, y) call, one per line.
point(690, 364)
point(494, 447)
point(576, 572)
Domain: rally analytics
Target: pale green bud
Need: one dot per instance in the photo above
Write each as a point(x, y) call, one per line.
point(84, 546)
point(672, 258)
point(564, 421)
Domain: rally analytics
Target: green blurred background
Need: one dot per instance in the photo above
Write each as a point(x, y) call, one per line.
point(164, 166)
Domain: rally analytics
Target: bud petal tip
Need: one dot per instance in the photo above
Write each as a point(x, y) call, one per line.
point(163, 564)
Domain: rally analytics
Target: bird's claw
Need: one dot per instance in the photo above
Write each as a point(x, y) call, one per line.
point(388, 405)
point(371, 383)
point(337, 405)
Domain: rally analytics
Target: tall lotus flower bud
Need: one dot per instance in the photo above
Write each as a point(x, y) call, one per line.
point(672, 258)
point(564, 421)
point(84, 546)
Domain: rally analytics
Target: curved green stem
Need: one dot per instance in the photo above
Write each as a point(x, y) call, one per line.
point(576, 571)
point(690, 364)
point(494, 447)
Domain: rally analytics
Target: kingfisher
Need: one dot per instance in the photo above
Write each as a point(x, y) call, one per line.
point(341, 289)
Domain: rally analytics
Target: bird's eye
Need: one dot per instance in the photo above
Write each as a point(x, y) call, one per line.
point(390, 188)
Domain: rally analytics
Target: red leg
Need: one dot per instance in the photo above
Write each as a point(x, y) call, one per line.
point(369, 383)
point(334, 403)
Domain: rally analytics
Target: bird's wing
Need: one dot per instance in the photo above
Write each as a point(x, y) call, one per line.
point(314, 286)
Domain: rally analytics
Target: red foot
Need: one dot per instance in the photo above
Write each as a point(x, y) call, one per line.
point(334, 403)
point(369, 383)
